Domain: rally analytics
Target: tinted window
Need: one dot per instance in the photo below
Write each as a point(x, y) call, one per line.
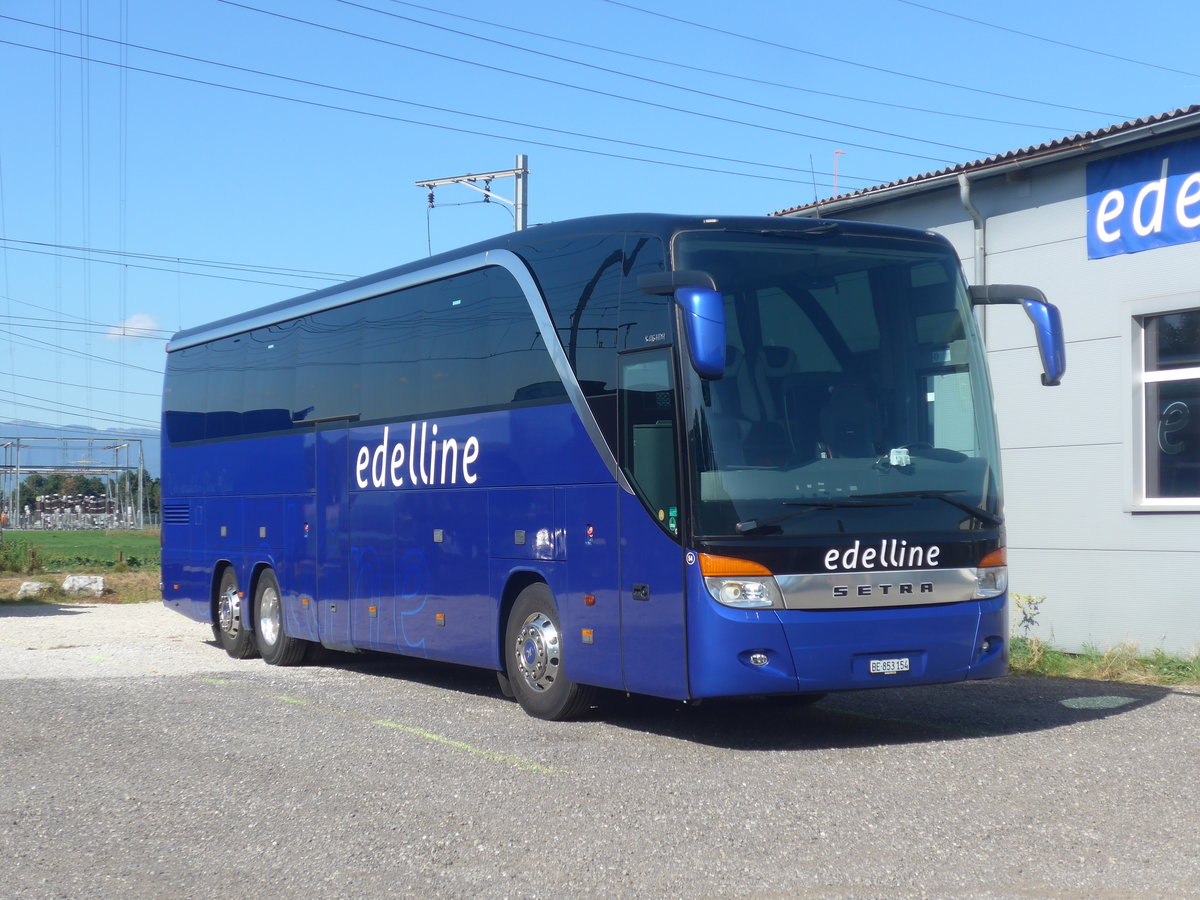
point(271, 357)
point(467, 342)
point(226, 364)
point(645, 318)
point(183, 400)
point(581, 280)
point(389, 349)
point(328, 370)
point(518, 366)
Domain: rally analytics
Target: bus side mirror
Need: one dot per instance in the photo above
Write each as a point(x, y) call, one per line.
point(1046, 319)
point(704, 315)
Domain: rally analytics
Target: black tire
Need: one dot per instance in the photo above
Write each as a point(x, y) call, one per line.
point(229, 618)
point(533, 657)
point(276, 647)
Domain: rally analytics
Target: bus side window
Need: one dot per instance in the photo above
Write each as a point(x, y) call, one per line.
point(647, 404)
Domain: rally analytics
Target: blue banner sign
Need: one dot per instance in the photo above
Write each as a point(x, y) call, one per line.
point(1144, 200)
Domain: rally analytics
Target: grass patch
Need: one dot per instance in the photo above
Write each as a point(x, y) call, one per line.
point(1031, 656)
point(98, 552)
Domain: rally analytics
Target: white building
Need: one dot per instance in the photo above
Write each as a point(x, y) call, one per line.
point(1102, 473)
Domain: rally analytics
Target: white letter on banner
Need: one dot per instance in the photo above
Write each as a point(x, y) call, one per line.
point(360, 470)
point(470, 454)
point(1159, 188)
point(1110, 207)
point(379, 461)
point(1189, 195)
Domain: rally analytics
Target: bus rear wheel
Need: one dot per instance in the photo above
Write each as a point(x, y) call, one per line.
point(276, 647)
point(533, 658)
point(230, 620)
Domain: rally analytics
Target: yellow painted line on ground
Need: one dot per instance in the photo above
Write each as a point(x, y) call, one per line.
point(525, 765)
point(516, 762)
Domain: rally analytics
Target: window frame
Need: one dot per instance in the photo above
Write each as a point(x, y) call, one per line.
point(1138, 436)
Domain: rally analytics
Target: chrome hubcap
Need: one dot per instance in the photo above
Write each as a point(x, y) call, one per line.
point(268, 615)
point(538, 652)
point(229, 611)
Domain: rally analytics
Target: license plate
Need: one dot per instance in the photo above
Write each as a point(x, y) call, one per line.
point(889, 666)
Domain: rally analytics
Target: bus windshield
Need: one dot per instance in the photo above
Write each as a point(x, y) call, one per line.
point(855, 396)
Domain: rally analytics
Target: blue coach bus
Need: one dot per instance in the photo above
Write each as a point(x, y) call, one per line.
point(685, 457)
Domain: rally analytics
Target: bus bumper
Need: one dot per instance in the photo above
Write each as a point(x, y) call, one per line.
point(742, 652)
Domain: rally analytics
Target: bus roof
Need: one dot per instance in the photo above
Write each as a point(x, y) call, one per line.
point(664, 225)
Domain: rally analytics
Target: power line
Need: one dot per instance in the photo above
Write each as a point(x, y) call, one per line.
point(58, 348)
point(77, 320)
point(69, 384)
point(72, 409)
point(443, 109)
point(703, 70)
point(362, 112)
point(765, 42)
point(1039, 37)
point(640, 101)
point(679, 87)
point(117, 262)
point(127, 331)
point(184, 260)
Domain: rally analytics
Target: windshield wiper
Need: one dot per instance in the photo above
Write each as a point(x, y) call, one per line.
point(989, 518)
point(868, 500)
point(808, 506)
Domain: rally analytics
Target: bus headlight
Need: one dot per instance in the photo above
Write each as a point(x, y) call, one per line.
point(991, 578)
point(991, 582)
point(746, 593)
point(740, 583)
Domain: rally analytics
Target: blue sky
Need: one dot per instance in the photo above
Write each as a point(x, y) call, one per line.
point(278, 141)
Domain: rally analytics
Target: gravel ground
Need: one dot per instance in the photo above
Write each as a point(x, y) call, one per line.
point(140, 761)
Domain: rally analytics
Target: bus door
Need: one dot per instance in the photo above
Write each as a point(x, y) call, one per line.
point(332, 463)
point(653, 640)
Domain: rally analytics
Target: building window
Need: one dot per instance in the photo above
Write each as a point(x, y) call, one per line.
point(1171, 407)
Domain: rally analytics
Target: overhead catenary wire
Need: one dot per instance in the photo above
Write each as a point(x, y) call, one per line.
point(442, 109)
point(188, 261)
point(70, 317)
point(736, 76)
point(31, 341)
point(112, 330)
point(638, 100)
point(660, 83)
point(125, 391)
point(72, 408)
point(117, 262)
point(880, 69)
point(423, 124)
point(1049, 40)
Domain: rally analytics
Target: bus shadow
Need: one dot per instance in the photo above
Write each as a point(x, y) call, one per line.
point(27, 609)
point(904, 715)
point(431, 673)
point(854, 719)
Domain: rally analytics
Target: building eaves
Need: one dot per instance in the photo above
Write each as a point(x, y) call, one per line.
point(1027, 156)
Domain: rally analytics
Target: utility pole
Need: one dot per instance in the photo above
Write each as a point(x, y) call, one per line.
point(521, 173)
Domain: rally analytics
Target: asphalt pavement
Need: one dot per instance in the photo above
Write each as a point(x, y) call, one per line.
point(139, 761)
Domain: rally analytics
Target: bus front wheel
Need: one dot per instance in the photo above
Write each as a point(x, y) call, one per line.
point(230, 620)
point(274, 643)
point(533, 658)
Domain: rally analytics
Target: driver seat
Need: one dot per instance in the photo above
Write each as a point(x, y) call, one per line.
point(850, 424)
